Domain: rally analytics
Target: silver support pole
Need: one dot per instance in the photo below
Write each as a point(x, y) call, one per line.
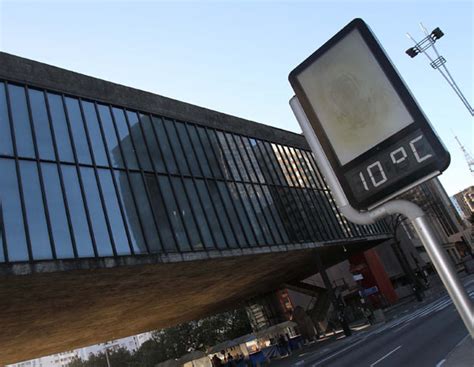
point(410, 210)
point(446, 271)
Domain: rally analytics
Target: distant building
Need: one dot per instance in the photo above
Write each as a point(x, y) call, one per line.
point(465, 200)
point(131, 343)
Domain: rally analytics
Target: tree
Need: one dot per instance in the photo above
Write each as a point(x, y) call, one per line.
point(118, 357)
point(175, 341)
point(178, 340)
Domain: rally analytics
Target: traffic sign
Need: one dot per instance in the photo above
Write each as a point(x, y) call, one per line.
point(375, 136)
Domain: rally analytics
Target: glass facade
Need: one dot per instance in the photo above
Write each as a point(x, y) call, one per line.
point(81, 178)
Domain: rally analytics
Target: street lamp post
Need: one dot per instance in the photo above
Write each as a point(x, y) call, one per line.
point(438, 62)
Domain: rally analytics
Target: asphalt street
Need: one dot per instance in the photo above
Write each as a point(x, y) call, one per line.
point(423, 337)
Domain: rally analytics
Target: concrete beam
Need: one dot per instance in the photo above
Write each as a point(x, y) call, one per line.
point(19, 69)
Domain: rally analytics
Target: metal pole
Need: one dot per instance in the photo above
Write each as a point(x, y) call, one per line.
point(107, 357)
point(446, 271)
point(413, 212)
point(332, 295)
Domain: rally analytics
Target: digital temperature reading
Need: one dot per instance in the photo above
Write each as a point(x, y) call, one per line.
point(376, 138)
point(393, 164)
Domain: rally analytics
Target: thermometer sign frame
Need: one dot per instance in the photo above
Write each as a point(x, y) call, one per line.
point(375, 136)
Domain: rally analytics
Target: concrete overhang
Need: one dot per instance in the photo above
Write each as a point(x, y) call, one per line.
point(53, 306)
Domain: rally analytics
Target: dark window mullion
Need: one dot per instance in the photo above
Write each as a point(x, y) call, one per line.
point(240, 196)
point(142, 174)
point(96, 174)
point(281, 235)
point(194, 183)
point(226, 180)
point(286, 188)
point(295, 190)
point(193, 214)
point(315, 199)
point(61, 179)
point(17, 168)
point(113, 178)
point(263, 152)
point(244, 185)
point(272, 235)
point(339, 222)
point(155, 169)
point(40, 174)
point(127, 174)
point(206, 184)
point(173, 191)
point(205, 151)
point(79, 176)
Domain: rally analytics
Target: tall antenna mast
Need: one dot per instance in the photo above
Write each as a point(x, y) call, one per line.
point(437, 62)
point(467, 155)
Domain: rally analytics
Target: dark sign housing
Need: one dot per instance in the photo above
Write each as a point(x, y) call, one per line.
point(377, 140)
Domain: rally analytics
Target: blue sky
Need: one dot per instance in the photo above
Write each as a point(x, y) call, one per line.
point(235, 56)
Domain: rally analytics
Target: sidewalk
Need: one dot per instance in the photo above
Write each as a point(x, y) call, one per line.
point(462, 355)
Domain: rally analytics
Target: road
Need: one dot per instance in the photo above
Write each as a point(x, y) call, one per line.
point(418, 338)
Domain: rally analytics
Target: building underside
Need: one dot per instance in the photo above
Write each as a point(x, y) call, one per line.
point(53, 306)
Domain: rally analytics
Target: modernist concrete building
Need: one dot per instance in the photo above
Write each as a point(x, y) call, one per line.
point(122, 211)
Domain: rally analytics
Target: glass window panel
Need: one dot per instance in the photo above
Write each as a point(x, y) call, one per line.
point(96, 212)
point(211, 214)
point(251, 214)
point(215, 162)
point(170, 163)
point(283, 164)
point(260, 214)
point(273, 164)
point(263, 159)
point(267, 213)
point(232, 171)
point(271, 204)
point(164, 226)
point(188, 149)
point(234, 220)
point(174, 214)
point(35, 215)
point(240, 158)
point(197, 147)
point(60, 129)
point(125, 139)
point(113, 213)
point(251, 150)
point(153, 147)
point(234, 194)
point(187, 215)
point(6, 146)
point(110, 136)
point(12, 215)
point(200, 216)
point(21, 121)
point(41, 124)
point(130, 210)
point(78, 132)
point(305, 170)
point(95, 135)
point(221, 213)
point(57, 212)
point(139, 141)
point(297, 168)
point(176, 146)
point(145, 212)
point(76, 209)
point(314, 168)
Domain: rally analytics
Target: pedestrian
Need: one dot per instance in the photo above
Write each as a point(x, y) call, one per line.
point(216, 361)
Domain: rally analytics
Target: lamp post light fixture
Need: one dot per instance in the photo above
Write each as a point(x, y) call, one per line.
point(438, 62)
